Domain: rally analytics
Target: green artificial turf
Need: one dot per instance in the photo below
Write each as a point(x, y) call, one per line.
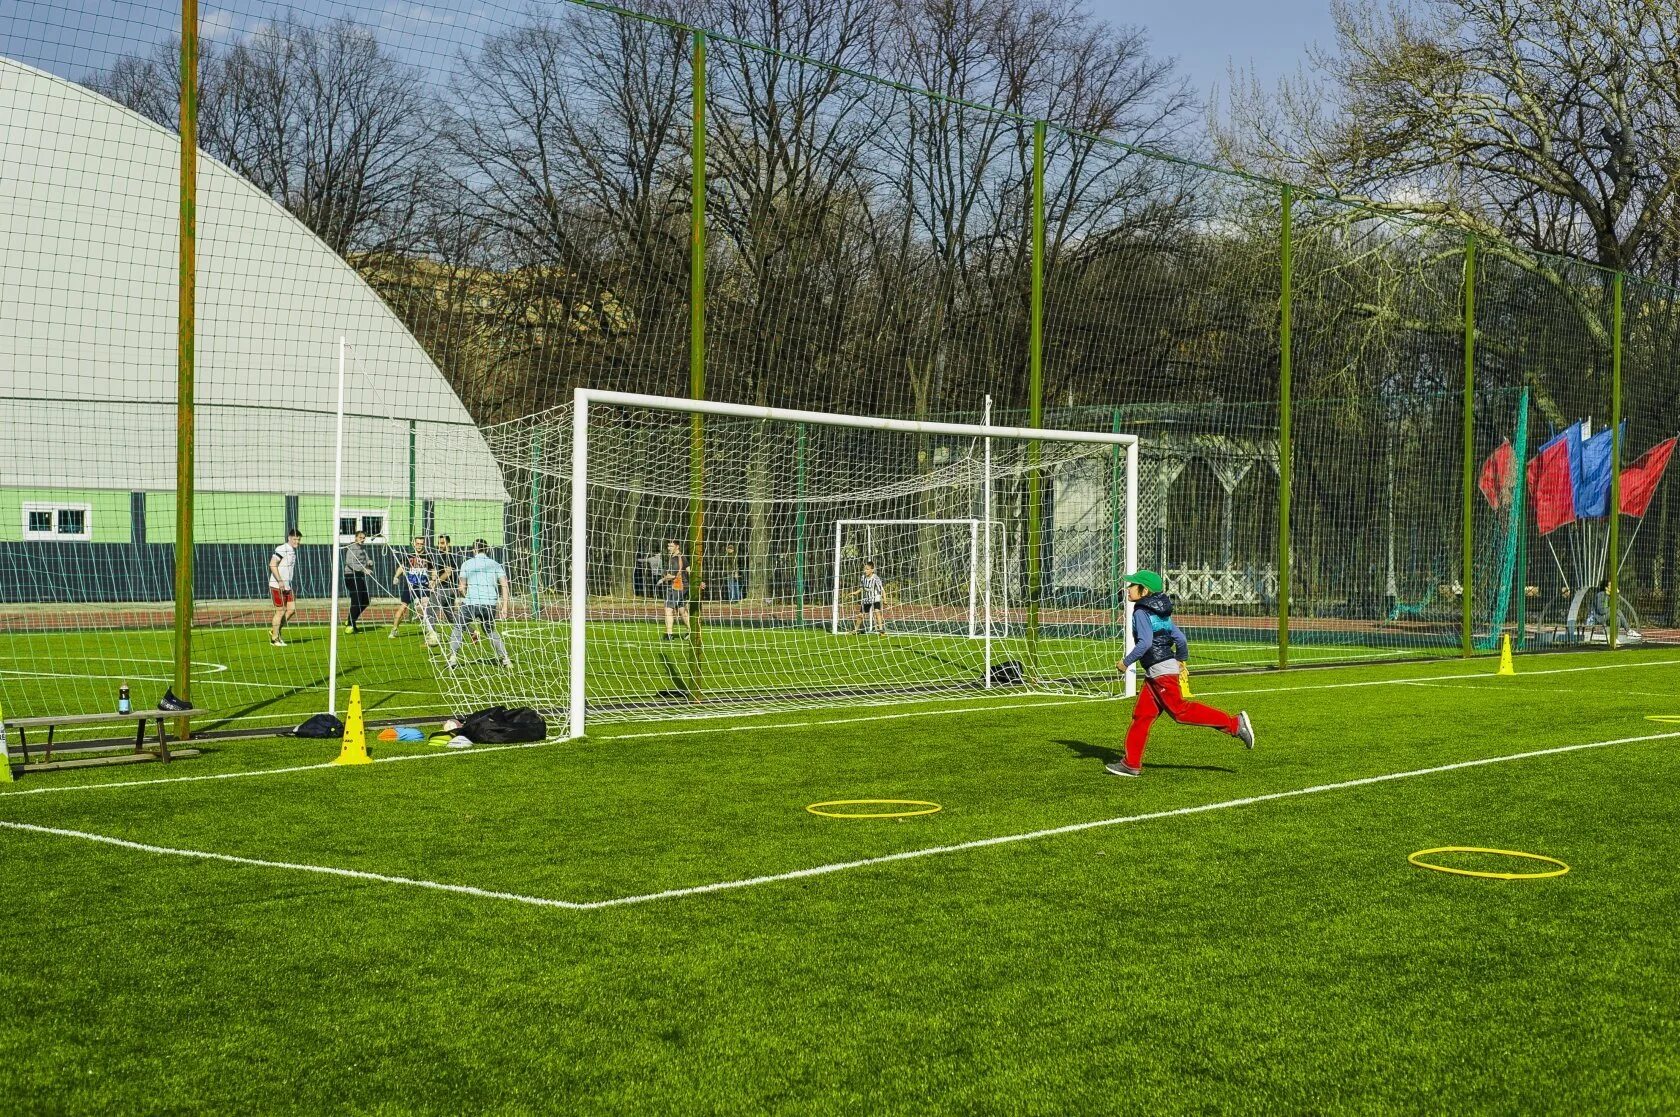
point(247, 685)
point(1273, 956)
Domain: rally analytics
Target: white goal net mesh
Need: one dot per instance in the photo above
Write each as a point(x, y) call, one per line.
point(724, 569)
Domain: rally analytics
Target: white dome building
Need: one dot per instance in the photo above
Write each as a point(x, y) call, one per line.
point(89, 223)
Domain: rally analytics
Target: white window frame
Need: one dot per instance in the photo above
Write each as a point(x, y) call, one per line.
point(361, 515)
point(55, 507)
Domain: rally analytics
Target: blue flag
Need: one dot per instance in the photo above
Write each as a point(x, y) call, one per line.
point(1591, 480)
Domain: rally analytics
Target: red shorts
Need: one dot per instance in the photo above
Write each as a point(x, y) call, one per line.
point(281, 597)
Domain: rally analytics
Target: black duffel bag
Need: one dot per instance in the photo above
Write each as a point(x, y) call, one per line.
point(319, 727)
point(501, 726)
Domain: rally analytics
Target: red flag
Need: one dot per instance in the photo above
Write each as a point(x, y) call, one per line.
point(1639, 480)
point(1549, 481)
point(1498, 476)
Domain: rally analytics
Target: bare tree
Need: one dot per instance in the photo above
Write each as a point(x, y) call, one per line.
point(1553, 123)
point(322, 118)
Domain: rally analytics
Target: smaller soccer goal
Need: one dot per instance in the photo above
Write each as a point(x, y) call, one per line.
point(939, 577)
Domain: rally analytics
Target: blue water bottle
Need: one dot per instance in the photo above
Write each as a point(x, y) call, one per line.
point(122, 700)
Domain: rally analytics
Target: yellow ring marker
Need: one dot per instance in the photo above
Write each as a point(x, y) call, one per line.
point(1557, 872)
point(923, 804)
point(1666, 719)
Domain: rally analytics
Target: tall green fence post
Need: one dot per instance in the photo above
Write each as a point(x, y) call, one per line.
point(1467, 483)
point(1117, 540)
point(1519, 522)
point(185, 434)
point(697, 362)
point(1613, 560)
point(536, 524)
point(413, 475)
point(1286, 269)
point(798, 526)
point(1035, 403)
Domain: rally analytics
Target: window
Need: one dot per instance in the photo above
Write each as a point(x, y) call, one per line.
point(351, 521)
point(58, 522)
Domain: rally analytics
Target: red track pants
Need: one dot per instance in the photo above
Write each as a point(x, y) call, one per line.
point(1163, 693)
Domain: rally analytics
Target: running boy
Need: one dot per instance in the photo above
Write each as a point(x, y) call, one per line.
point(1162, 650)
point(871, 602)
point(282, 564)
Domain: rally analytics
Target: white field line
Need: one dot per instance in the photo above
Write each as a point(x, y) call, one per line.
point(818, 870)
point(759, 727)
point(327, 870)
point(197, 680)
point(480, 750)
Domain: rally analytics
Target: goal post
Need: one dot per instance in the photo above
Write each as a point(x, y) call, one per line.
point(942, 505)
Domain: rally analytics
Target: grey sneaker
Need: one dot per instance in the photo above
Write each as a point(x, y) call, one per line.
point(1245, 730)
point(1121, 768)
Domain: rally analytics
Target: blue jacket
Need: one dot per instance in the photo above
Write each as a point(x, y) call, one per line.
point(1157, 638)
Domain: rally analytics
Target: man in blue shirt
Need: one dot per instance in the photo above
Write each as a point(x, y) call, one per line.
point(1162, 650)
point(484, 585)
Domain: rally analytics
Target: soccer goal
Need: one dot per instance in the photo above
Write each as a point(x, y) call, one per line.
point(684, 558)
point(936, 575)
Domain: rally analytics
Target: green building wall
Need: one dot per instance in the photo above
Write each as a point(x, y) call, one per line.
point(245, 517)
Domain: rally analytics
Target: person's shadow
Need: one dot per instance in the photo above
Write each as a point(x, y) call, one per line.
point(1104, 755)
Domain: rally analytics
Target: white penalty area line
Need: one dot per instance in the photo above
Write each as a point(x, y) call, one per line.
point(818, 870)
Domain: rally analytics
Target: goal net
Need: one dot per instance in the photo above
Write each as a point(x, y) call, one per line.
point(682, 558)
point(935, 576)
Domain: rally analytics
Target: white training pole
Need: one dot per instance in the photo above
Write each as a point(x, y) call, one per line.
point(1131, 549)
point(580, 557)
point(338, 509)
point(834, 622)
point(986, 518)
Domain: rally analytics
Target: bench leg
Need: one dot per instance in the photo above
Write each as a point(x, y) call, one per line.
point(163, 742)
point(23, 742)
point(140, 735)
point(50, 729)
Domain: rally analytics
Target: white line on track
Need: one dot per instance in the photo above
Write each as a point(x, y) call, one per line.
point(817, 870)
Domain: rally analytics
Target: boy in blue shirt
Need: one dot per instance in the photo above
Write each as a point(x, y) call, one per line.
point(1161, 650)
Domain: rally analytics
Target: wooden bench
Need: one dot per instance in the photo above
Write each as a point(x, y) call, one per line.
point(138, 717)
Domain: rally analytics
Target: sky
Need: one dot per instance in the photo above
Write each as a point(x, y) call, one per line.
point(1205, 36)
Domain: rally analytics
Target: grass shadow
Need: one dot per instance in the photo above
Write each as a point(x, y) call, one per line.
point(1087, 751)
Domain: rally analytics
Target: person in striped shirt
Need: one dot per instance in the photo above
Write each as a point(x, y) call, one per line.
point(871, 593)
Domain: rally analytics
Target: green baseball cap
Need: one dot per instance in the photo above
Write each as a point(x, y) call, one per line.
point(1148, 579)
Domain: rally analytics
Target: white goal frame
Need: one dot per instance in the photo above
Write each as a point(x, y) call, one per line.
point(973, 526)
point(585, 398)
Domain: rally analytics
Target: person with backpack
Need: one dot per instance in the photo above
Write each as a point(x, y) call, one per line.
point(1162, 651)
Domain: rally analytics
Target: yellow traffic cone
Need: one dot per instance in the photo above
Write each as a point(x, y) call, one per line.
point(354, 750)
point(5, 755)
point(1184, 681)
point(1506, 667)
